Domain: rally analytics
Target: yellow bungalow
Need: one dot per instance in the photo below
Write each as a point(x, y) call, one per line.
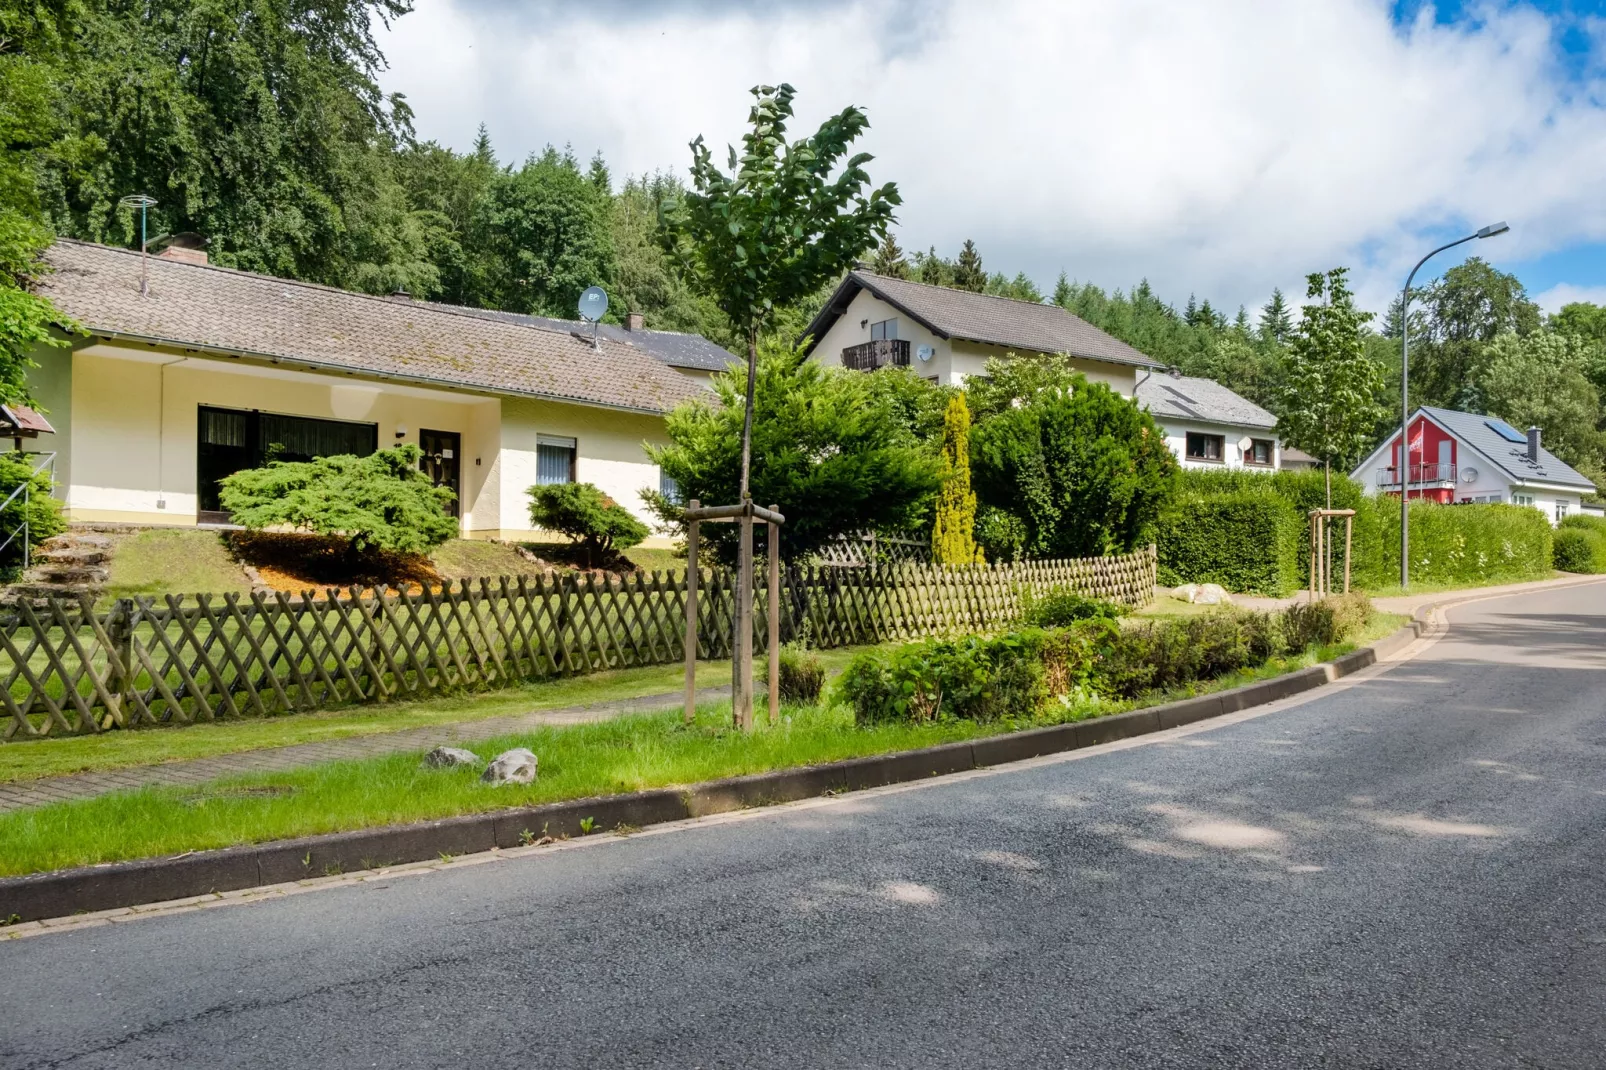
point(190, 372)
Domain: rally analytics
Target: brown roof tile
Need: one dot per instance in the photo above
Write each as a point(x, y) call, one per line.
point(974, 317)
point(208, 307)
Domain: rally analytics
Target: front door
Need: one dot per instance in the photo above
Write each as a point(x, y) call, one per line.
point(442, 462)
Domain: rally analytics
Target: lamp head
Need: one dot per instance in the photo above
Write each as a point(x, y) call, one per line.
point(1492, 229)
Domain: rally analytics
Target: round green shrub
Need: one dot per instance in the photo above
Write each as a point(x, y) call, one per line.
point(1578, 549)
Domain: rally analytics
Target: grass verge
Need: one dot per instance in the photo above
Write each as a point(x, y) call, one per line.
point(33, 759)
point(172, 560)
point(626, 754)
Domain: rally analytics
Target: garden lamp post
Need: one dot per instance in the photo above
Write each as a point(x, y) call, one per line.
point(1404, 462)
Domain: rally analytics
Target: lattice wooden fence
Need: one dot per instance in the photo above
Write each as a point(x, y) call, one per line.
point(68, 669)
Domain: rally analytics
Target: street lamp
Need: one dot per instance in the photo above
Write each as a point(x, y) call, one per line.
point(1404, 462)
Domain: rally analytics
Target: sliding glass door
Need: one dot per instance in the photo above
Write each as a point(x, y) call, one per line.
point(234, 439)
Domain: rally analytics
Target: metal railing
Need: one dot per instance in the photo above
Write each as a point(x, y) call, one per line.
point(884, 352)
point(47, 460)
point(1419, 473)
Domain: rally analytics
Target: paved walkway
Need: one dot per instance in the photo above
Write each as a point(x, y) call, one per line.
point(25, 793)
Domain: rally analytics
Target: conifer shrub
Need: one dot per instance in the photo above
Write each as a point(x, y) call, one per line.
point(953, 540)
point(598, 524)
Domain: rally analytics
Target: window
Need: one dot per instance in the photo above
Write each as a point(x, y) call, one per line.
point(668, 487)
point(1561, 511)
point(1260, 451)
point(554, 459)
point(1522, 499)
point(1487, 499)
point(232, 440)
point(1204, 447)
point(883, 330)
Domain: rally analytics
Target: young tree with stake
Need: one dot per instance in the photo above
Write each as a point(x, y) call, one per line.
point(771, 232)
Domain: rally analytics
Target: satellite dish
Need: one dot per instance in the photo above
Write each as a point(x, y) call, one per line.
point(925, 352)
point(593, 304)
point(1469, 475)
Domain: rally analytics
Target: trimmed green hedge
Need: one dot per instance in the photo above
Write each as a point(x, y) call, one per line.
point(1232, 543)
point(1580, 545)
point(1246, 540)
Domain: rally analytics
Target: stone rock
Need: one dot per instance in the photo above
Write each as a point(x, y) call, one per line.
point(516, 766)
point(1187, 592)
point(446, 757)
point(1212, 594)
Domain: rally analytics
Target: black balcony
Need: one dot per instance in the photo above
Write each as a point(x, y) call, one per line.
point(868, 356)
point(1420, 474)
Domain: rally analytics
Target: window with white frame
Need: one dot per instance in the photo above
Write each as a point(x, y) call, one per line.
point(1561, 511)
point(555, 459)
point(667, 486)
point(1522, 499)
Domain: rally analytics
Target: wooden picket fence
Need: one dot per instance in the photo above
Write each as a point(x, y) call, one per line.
point(69, 668)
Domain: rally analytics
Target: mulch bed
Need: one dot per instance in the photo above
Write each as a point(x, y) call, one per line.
point(295, 562)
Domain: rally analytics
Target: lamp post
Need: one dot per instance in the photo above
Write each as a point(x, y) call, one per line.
point(144, 203)
point(1404, 461)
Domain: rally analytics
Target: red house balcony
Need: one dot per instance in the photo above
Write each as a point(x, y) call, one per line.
point(1435, 481)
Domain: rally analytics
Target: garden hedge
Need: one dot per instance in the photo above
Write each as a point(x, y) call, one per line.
point(1246, 540)
point(1230, 543)
point(1580, 545)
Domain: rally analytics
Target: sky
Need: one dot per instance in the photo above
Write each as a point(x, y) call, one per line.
point(1219, 149)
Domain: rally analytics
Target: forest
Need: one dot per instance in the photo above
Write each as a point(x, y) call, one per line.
point(260, 125)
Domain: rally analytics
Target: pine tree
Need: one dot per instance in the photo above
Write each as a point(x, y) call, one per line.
point(968, 272)
point(1275, 323)
point(889, 259)
point(1063, 294)
point(953, 538)
point(931, 268)
point(482, 151)
point(1190, 314)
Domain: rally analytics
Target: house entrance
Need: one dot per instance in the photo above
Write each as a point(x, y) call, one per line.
point(443, 455)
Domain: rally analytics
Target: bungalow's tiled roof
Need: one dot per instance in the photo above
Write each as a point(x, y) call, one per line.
point(1183, 397)
point(1511, 457)
point(974, 317)
point(207, 307)
point(675, 348)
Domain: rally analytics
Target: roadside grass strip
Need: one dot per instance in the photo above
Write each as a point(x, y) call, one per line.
point(627, 754)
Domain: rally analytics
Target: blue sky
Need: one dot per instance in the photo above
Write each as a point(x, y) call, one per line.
point(1219, 149)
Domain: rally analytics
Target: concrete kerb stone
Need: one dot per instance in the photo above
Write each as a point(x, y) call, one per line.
point(163, 880)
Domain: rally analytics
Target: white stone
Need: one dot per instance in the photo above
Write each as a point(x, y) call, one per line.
point(1212, 594)
point(445, 757)
point(1187, 592)
point(516, 766)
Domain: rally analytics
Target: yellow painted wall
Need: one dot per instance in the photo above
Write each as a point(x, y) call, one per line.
point(610, 455)
point(134, 416)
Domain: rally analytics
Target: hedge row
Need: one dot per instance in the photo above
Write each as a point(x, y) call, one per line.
point(1228, 527)
point(1580, 544)
point(1023, 674)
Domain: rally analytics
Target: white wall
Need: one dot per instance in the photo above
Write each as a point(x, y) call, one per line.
point(953, 361)
point(1232, 454)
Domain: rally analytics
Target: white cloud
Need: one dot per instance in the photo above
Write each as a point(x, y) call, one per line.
point(1220, 148)
point(1566, 293)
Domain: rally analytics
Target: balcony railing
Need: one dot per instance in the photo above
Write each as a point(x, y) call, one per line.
point(868, 356)
point(1420, 474)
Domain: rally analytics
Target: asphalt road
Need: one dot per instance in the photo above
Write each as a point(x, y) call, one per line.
point(1402, 872)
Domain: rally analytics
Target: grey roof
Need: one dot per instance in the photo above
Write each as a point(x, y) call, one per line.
point(974, 317)
point(212, 308)
point(1182, 397)
point(1511, 457)
point(675, 348)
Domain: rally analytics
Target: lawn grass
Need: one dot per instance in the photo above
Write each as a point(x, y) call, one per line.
point(173, 561)
point(622, 755)
point(33, 759)
point(460, 559)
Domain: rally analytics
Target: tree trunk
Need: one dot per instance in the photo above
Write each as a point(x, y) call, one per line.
point(742, 611)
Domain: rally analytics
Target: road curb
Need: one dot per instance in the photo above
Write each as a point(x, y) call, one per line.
point(127, 884)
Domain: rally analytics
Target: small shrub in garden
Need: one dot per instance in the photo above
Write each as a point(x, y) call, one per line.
point(981, 679)
point(1163, 654)
point(43, 512)
point(802, 675)
point(1331, 620)
point(1061, 606)
point(1579, 549)
point(601, 526)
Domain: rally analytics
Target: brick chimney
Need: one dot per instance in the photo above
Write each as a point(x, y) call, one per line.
point(1533, 444)
point(634, 321)
point(183, 255)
